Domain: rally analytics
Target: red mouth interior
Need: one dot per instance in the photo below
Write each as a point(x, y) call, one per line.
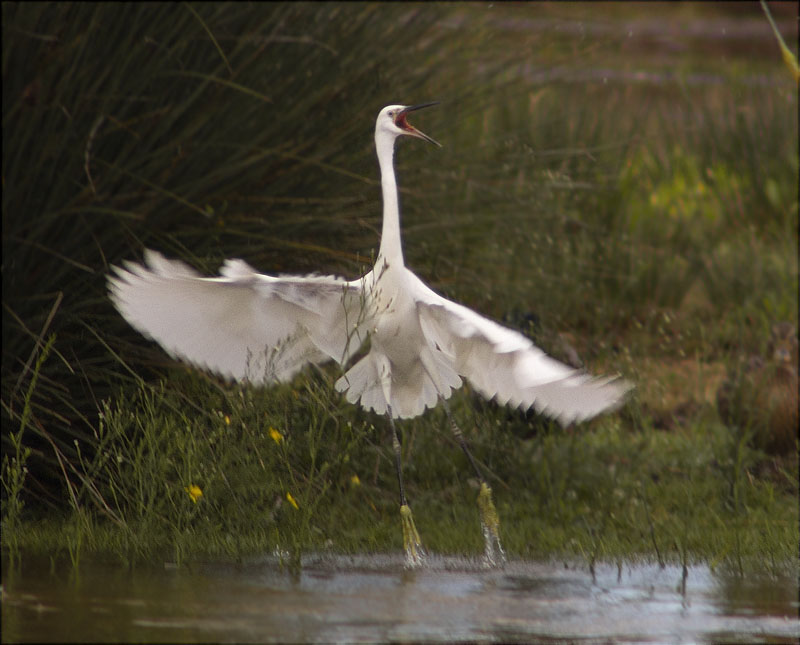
point(401, 122)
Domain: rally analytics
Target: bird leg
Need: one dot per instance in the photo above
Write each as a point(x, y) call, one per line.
point(490, 521)
point(415, 554)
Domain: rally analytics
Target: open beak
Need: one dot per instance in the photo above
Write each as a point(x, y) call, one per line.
point(401, 122)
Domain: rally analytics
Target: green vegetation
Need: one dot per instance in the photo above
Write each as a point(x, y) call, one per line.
point(634, 203)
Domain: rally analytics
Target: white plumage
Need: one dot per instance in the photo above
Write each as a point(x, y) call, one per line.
point(248, 326)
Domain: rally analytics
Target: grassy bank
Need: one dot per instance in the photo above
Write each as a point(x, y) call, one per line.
point(294, 470)
point(618, 185)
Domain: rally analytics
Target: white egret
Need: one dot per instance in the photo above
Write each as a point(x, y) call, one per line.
point(262, 329)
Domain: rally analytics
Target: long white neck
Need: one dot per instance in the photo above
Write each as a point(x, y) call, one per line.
point(391, 247)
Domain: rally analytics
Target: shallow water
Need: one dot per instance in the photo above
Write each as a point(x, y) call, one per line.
point(373, 598)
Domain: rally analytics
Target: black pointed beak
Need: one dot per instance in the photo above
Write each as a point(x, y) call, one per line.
point(413, 108)
point(401, 122)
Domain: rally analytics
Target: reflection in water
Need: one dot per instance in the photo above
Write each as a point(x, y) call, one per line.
point(372, 598)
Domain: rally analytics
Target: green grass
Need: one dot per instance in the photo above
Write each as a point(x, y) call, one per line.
point(651, 225)
point(601, 493)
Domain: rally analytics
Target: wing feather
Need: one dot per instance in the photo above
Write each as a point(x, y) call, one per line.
point(505, 365)
point(243, 325)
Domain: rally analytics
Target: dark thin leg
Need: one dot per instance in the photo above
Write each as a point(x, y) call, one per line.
point(397, 458)
point(462, 442)
point(490, 522)
point(415, 554)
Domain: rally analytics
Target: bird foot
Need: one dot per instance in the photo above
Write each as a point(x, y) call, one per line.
point(490, 523)
point(415, 554)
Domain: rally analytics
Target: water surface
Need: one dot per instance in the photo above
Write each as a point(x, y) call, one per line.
point(373, 598)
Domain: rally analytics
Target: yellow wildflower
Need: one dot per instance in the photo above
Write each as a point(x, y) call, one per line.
point(195, 492)
point(227, 420)
point(292, 500)
point(277, 437)
point(355, 481)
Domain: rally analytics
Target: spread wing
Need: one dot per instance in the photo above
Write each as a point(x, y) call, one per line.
point(505, 365)
point(243, 325)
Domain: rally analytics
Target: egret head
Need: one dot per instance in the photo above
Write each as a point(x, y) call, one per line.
point(393, 120)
